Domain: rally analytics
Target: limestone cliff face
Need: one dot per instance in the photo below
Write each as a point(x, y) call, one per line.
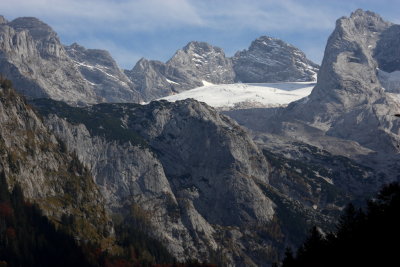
point(150, 80)
point(33, 157)
point(40, 66)
point(267, 60)
point(349, 101)
point(198, 62)
point(101, 71)
point(187, 69)
point(34, 59)
point(194, 171)
point(272, 60)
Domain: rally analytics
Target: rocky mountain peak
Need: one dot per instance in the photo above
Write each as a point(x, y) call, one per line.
point(201, 48)
point(360, 14)
point(93, 56)
point(102, 72)
point(149, 79)
point(349, 100)
point(204, 62)
point(361, 22)
point(348, 72)
point(3, 20)
point(37, 28)
point(272, 60)
point(142, 61)
point(270, 43)
point(40, 66)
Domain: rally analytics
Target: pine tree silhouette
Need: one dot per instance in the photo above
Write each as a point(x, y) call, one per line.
point(362, 238)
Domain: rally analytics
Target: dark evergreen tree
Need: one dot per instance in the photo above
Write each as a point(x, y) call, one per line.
point(289, 259)
point(363, 238)
point(27, 238)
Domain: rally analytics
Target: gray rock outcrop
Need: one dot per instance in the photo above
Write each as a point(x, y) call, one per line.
point(103, 74)
point(267, 60)
point(272, 60)
point(349, 112)
point(31, 156)
point(348, 101)
point(33, 57)
point(40, 66)
point(187, 69)
point(198, 62)
point(150, 80)
point(197, 174)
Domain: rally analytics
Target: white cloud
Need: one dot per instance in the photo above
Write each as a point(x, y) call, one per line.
point(107, 14)
point(264, 15)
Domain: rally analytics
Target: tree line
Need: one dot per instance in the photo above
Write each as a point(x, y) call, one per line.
point(366, 236)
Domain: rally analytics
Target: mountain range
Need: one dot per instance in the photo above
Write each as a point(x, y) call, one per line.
point(232, 188)
point(33, 57)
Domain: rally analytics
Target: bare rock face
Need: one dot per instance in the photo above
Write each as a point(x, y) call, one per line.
point(33, 157)
point(267, 60)
point(347, 77)
point(34, 58)
point(351, 111)
point(3, 20)
point(199, 61)
point(150, 80)
point(187, 69)
point(196, 172)
point(272, 60)
point(103, 74)
point(387, 51)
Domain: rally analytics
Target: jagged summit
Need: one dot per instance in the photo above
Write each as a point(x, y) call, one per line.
point(199, 63)
point(349, 101)
point(188, 68)
point(37, 28)
point(272, 60)
point(3, 20)
point(93, 56)
point(200, 47)
point(40, 66)
point(365, 13)
point(102, 72)
point(92, 75)
point(347, 76)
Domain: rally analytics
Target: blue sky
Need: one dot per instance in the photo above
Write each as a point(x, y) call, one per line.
point(155, 29)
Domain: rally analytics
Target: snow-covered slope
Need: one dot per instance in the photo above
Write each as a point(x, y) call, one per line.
point(246, 95)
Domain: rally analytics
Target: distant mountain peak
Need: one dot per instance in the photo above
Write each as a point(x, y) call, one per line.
point(3, 20)
point(40, 66)
point(272, 60)
point(349, 100)
point(364, 13)
point(37, 28)
point(196, 46)
point(267, 41)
